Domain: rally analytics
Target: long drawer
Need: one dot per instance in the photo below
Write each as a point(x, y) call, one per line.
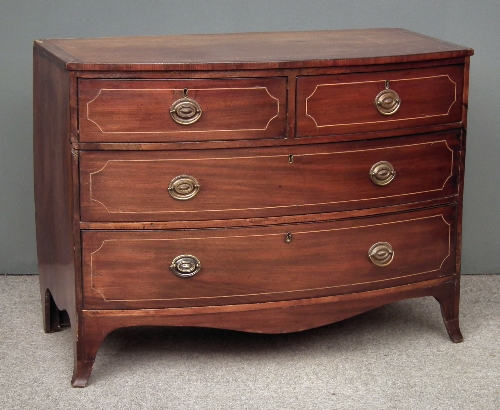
point(234, 183)
point(132, 269)
point(350, 103)
point(181, 110)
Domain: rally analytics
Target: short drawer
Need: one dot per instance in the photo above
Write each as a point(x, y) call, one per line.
point(181, 110)
point(124, 269)
point(239, 183)
point(339, 104)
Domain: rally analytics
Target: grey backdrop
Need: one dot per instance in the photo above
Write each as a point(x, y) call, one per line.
point(470, 23)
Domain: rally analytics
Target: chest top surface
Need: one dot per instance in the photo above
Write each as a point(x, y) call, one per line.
point(250, 50)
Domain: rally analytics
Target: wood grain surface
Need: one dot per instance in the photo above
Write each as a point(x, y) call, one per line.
point(238, 183)
point(251, 50)
point(131, 111)
point(345, 103)
point(132, 269)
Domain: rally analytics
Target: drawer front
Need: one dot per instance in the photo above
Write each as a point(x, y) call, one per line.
point(181, 110)
point(236, 183)
point(339, 104)
point(124, 269)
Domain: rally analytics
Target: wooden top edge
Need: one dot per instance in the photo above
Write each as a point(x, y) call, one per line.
point(265, 50)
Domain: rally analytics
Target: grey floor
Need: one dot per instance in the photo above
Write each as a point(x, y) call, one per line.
point(395, 357)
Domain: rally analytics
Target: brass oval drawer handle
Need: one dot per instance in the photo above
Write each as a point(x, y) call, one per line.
point(185, 111)
point(185, 266)
point(381, 253)
point(183, 187)
point(382, 173)
point(387, 102)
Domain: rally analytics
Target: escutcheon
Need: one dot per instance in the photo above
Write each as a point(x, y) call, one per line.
point(382, 173)
point(387, 102)
point(185, 266)
point(185, 111)
point(381, 253)
point(183, 187)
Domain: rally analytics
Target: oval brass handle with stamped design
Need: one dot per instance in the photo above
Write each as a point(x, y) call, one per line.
point(185, 111)
point(382, 173)
point(387, 102)
point(183, 187)
point(185, 266)
point(381, 253)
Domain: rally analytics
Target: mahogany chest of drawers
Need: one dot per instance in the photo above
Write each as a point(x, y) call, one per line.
point(262, 182)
